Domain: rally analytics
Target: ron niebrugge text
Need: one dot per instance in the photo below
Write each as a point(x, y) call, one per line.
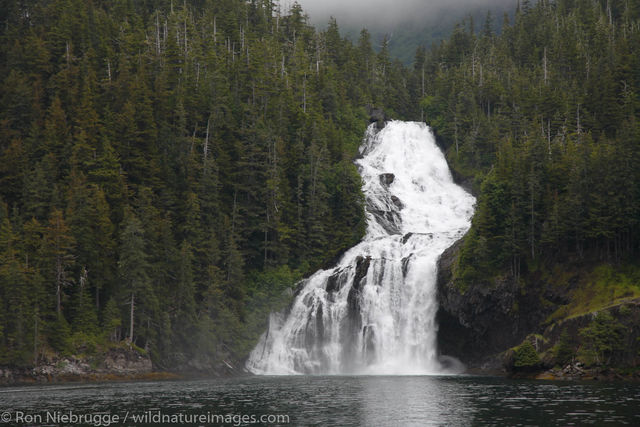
point(104, 419)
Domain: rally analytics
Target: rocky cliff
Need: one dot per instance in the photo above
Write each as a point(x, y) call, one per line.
point(485, 323)
point(479, 323)
point(116, 363)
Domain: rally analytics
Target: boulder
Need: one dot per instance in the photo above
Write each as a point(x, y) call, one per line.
point(386, 179)
point(378, 116)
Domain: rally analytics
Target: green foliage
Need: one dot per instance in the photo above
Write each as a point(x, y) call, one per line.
point(84, 316)
point(58, 334)
point(111, 320)
point(602, 339)
point(525, 357)
point(81, 343)
point(600, 287)
point(546, 114)
point(168, 157)
point(563, 351)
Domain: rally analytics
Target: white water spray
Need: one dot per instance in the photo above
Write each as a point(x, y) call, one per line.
point(374, 313)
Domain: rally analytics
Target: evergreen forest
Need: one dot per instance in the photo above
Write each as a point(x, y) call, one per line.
point(542, 120)
point(169, 169)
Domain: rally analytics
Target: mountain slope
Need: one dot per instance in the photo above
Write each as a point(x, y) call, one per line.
point(542, 121)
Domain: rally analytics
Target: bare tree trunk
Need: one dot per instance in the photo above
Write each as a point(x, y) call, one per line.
point(304, 95)
point(185, 37)
point(157, 34)
point(35, 339)
point(206, 143)
point(544, 62)
point(131, 317)
point(533, 253)
point(58, 286)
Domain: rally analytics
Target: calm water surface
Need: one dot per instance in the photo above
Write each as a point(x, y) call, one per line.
point(347, 401)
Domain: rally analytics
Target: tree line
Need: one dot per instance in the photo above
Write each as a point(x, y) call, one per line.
point(169, 169)
point(543, 119)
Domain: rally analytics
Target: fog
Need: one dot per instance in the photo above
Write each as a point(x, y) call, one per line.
point(390, 13)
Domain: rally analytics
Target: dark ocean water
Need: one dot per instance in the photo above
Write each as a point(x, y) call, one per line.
point(326, 401)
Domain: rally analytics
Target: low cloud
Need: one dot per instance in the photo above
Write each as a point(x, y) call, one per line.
point(390, 13)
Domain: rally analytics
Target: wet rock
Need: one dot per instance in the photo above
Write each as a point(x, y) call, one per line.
point(405, 265)
point(353, 299)
point(362, 267)
point(386, 179)
point(389, 220)
point(308, 300)
point(398, 204)
point(377, 116)
point(320, 323)
point(333, 283)
point(480, 322)
point(299, 287)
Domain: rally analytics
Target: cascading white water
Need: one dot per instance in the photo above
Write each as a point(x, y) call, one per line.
point(374, 313)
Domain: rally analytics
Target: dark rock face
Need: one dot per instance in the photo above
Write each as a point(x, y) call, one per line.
point(405, 265)
point(116, 362)
point(378, 116)
point(333, 283)
point(353, 322)
point(397, 203)
point(486, 319)
point(481, 325)
point(299, 288)
point(353, 299)
point(388, 219)
point(388, 216)
point(362, 267)
point(386, 179)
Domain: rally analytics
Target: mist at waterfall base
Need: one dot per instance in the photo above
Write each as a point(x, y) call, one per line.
point(374, 312)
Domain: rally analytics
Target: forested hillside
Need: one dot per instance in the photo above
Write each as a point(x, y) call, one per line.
point(545, 117)
point(168, 169)
point(543, 120)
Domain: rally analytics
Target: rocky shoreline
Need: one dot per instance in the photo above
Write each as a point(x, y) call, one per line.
point(117, 364)
point(579, 372)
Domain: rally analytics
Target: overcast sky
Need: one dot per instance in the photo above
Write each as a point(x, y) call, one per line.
point(388, 13)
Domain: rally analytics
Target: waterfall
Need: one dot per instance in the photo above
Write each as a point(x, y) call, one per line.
point(374, 312)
